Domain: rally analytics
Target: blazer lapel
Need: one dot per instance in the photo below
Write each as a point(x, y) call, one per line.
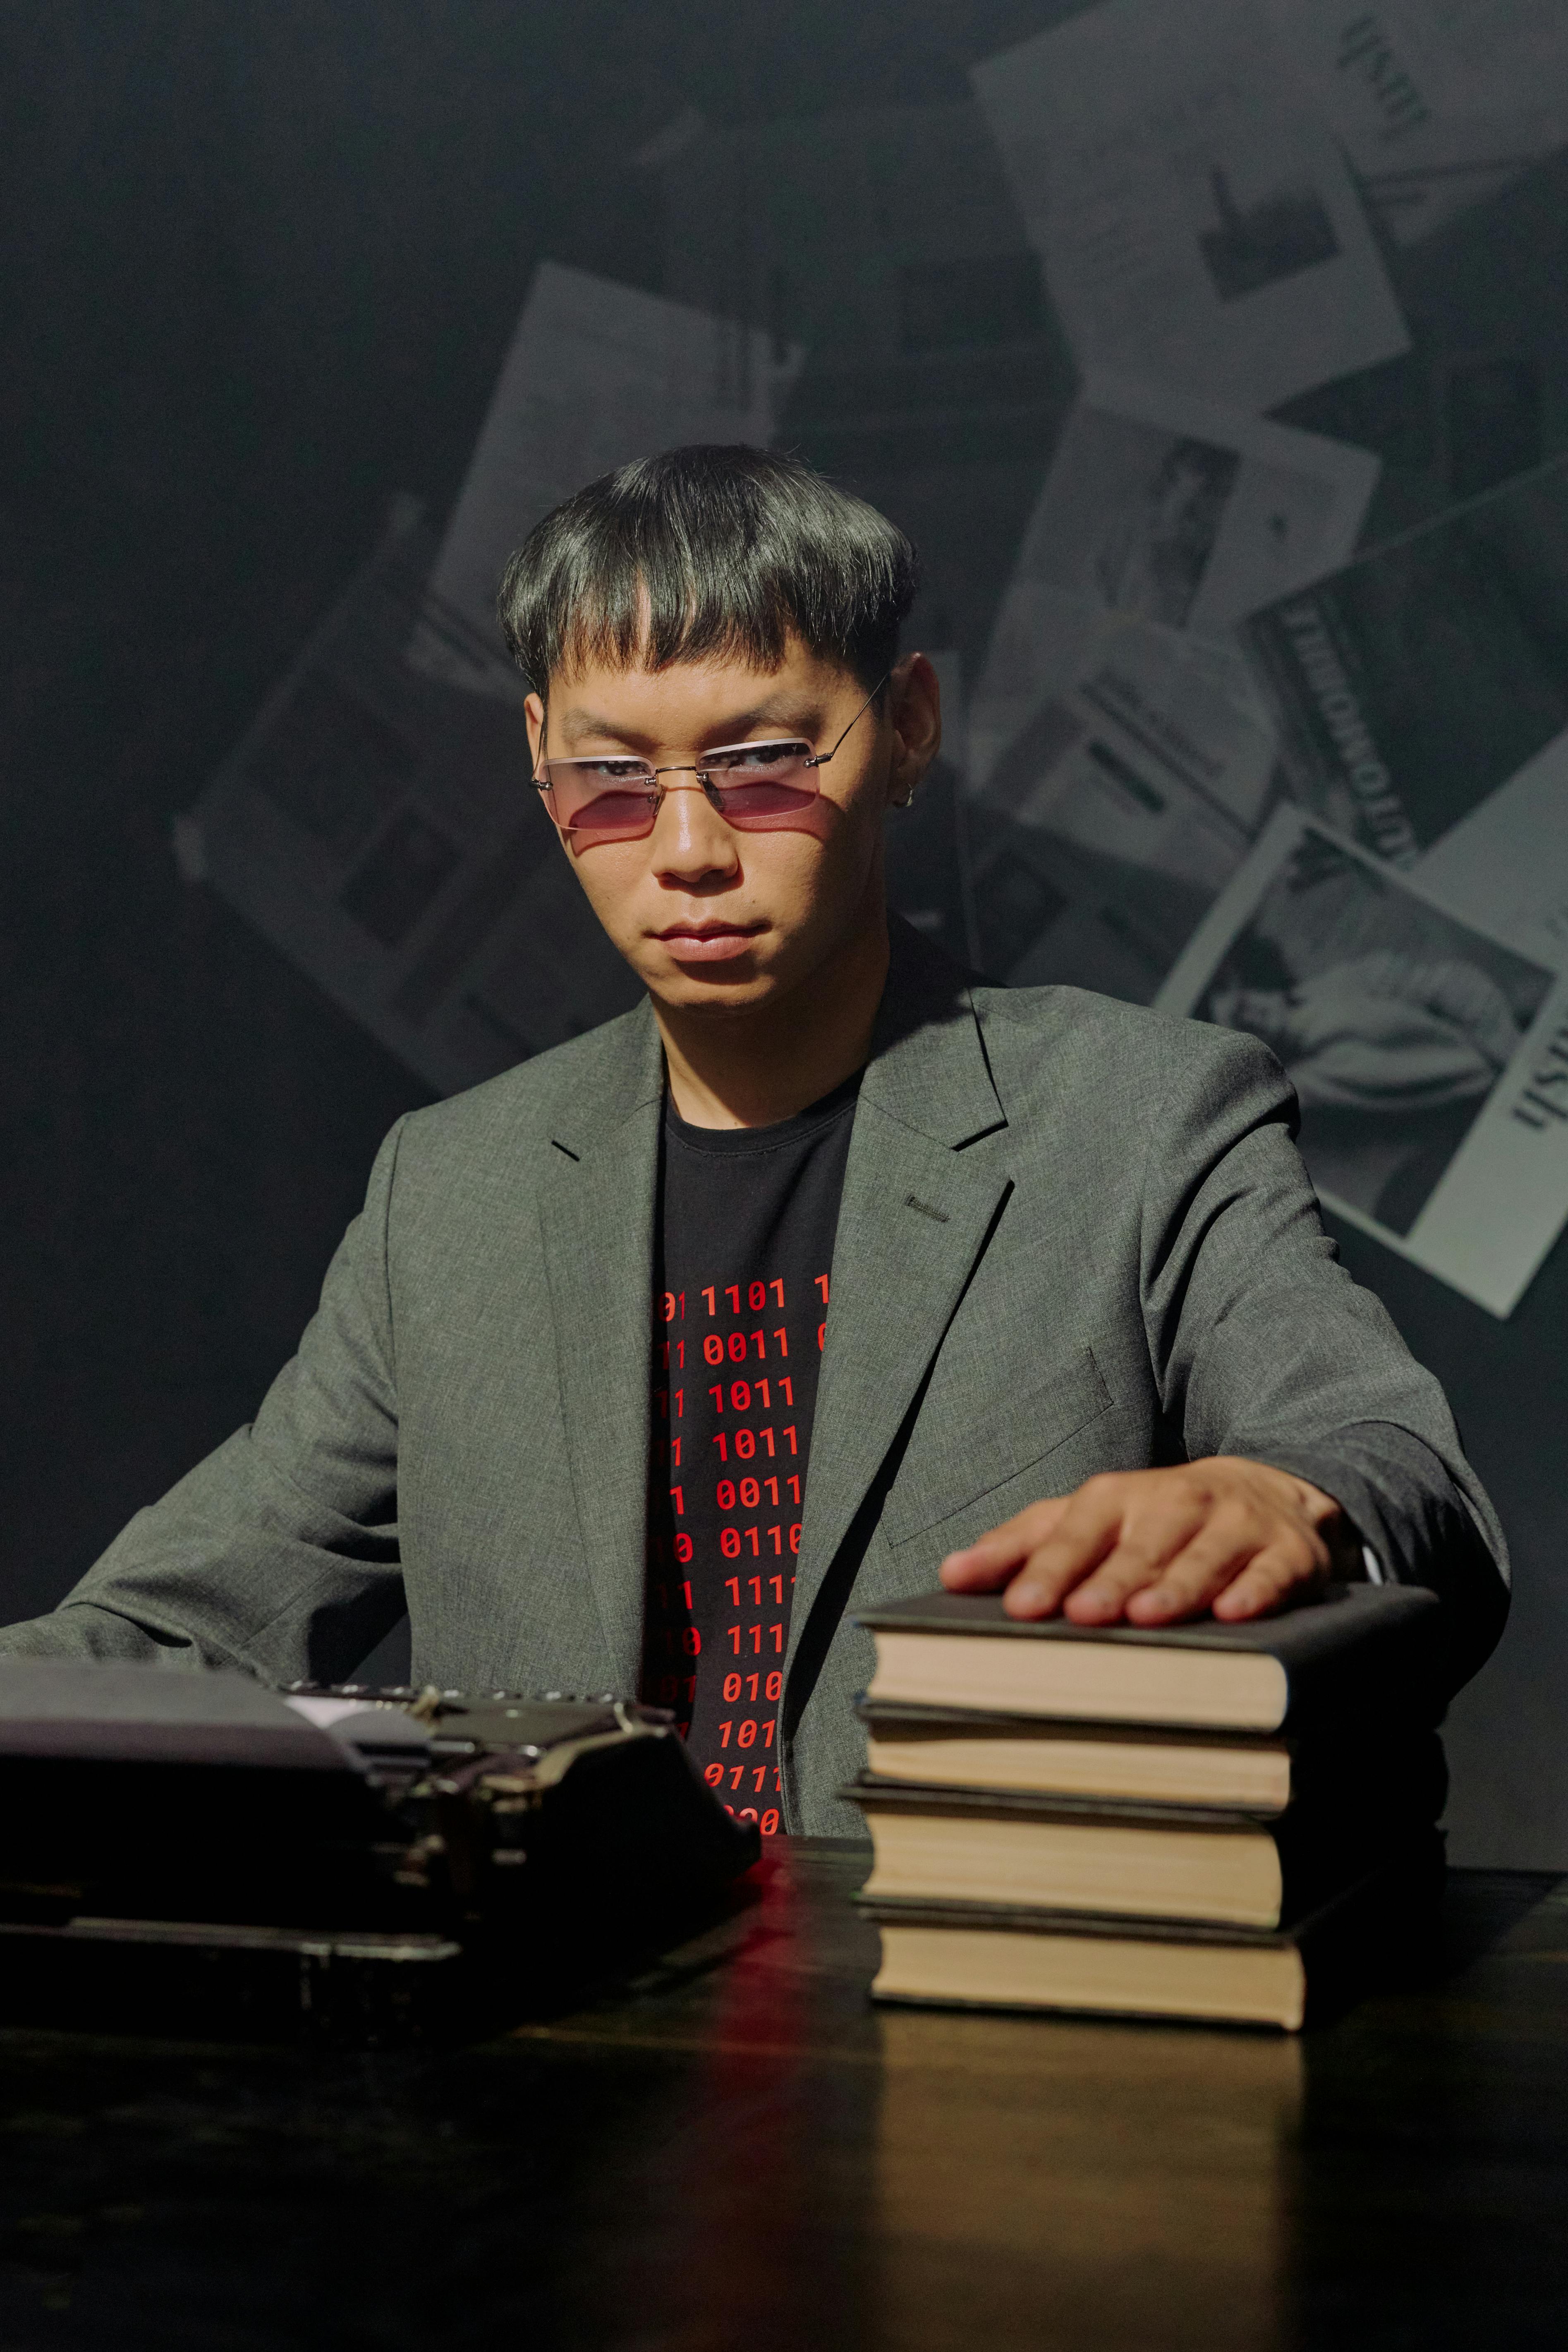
point(596, 1212)
point(914, 1219)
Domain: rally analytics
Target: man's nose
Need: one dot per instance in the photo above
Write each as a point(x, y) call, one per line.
point(689, 836)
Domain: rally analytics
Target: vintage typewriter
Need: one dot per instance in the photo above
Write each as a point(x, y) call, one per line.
point(196, 1852)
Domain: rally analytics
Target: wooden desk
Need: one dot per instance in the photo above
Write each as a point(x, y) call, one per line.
point(740, 2155)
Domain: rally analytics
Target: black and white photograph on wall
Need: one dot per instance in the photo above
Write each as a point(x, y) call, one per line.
point(1430, 1061)
point(1265, 238)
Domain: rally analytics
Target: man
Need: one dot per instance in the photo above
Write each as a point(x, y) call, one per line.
point(1025, 1288)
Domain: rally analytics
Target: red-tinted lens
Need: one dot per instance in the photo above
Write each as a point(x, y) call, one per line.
point(584, 799)
point(612, 813)
point(767, 802)
point(762, 784)
point(757, 786)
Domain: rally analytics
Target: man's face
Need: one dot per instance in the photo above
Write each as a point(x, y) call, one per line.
point(710, 915)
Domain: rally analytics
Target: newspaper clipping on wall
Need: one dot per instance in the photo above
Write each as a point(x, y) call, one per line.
point(1120, 809)
point(1429, 1058)
point(1422, 696)
point(1411, 684)
point(598, 374)
point(379, 826)
point(1197, 222)
point(1176, 510)
point(1439, 104)
point(1122, 758)
point(1505, 866)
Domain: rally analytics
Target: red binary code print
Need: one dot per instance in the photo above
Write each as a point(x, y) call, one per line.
point(730, 1438)
point(745, 1228)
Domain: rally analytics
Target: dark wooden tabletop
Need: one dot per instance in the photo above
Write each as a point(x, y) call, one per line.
point(739, 2154)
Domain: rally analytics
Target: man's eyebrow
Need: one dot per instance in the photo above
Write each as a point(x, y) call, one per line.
point(792, 719)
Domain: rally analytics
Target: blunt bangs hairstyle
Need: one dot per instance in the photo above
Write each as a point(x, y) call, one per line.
point(709, 550)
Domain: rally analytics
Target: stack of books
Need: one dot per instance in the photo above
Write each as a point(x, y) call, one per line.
point(1198, 1822)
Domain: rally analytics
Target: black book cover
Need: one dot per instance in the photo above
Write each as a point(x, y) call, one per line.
point(1414, 1795)
point(1351, 1646)
point(1119, 1927)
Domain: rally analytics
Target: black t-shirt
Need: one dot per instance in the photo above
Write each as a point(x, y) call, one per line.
point(745, 1230)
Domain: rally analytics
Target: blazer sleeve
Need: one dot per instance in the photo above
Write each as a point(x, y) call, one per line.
point(1264, 1346)
point(278, 1554)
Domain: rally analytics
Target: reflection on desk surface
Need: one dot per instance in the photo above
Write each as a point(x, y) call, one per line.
point(1041, 2178)
point(738, 2151)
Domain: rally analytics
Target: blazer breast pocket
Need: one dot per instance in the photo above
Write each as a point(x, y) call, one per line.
point(962, 1456)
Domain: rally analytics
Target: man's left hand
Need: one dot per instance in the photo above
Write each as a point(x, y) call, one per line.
point(1151, 1546)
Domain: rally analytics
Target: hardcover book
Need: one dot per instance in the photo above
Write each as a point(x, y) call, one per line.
point(1157, 1861)
point(968, 1748)
point(1356, 1650)
point(1008, 1956)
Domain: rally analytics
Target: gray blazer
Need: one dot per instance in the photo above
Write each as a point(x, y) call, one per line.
point(1075, 1236)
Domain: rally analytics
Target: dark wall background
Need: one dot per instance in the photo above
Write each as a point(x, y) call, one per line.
point(261, 265)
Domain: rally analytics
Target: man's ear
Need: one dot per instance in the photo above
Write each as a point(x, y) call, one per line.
point(915, 707)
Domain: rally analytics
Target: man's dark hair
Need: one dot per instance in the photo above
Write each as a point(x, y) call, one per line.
point(713, 549)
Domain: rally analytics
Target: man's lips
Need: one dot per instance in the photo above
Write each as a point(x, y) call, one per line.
point(708, 942)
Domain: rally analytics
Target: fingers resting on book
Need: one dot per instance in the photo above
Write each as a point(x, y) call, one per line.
point(1229, 1535)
